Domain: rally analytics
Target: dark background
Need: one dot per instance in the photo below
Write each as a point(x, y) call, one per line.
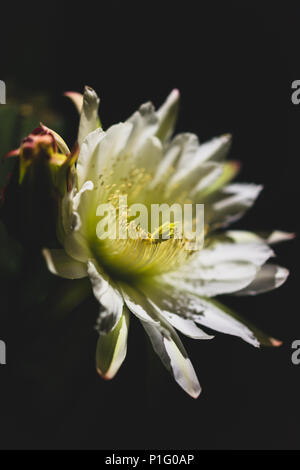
point(234, 66)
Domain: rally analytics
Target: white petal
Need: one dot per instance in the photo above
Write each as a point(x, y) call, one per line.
point(186, 326)
point(89, 120)
point(277, 236)
point(214, 316)
point(268, 278)
point(148, 123)
point(183, 370)
point(231, 203)
point(75, 209)
point(188, 180)
point(174, 359)
point(60, 264)
point(242, 236)
point(271, 238)
point(214, 150)
point(108, 296)
point(182, 145)
point(137, 304)
point(222, 269)
point(256, 253)
point(112, 348)
point(188, 145)
point(164, 339)
point(206, 312)
point(167, 115)
point(149, 155)
point(145, 123)
point(88, 156)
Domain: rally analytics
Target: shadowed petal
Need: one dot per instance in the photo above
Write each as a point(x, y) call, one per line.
point(112, 348)
point(268, 278)
point(61, 264)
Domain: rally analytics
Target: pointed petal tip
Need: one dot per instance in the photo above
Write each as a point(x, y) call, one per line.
point(196, 394)
point(70, 94)
point(226, 137)
point(175, 93)
point(276, 343)
point(12, 153)
point(279, 236)
point(105, 376)
point(90, 92)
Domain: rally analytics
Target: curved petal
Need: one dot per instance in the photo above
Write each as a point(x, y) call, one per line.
point(137, 304)
point(74, 213)
point(278, 236)
point(230, 204)
point(100, 151)
point(88, 156)
point(76, 98)
point(89, 120)
point(183, 144)
point(271, 238)
point(61, 264)
point(215, 150)
point(108, 296)
point(164, 339)
point(148, 123)
point(220, 318)
point(206, 312)
point(167, 116)
point(268, 278)
point(174, 359)
point(186, 326)
point(222, 269)
point(182, 322)
point(112, 348)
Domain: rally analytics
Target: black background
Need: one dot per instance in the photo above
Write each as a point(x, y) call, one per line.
point(234, 65)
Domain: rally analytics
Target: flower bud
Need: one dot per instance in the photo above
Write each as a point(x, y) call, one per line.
point(40, 180)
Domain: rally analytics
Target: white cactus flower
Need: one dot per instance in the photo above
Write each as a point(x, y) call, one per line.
point(166, 286)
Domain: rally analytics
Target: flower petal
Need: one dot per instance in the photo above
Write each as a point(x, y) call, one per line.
point(182, 144)
point(182, 323)
point(215, 149)
point(278, 236)
point(268, 278)
point(74, 213)
point(89, 120)
point(100, 151)
point(112, 348)
point(164, 339)
point(222, 269)
point(206, 312)
point(108, 296)
point(137, 304)
point(61, 264)
point(76, 98)
point(186, 326)
point(271, 238)
point(174, 359)
point(231, 203)
point(220, 318)
point(145, 123)
point(88, 156)
point(167, 116)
